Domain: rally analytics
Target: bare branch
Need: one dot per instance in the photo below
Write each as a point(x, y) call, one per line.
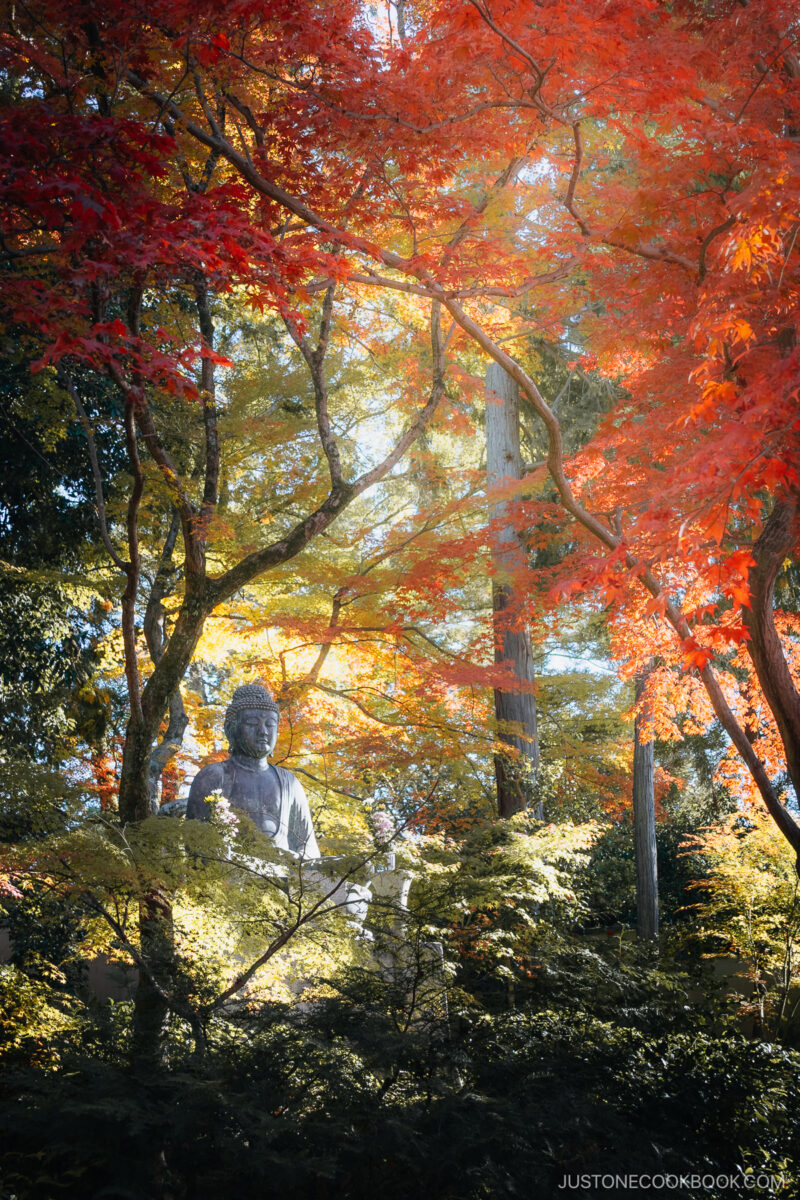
point(208, 399)
point(154, 613)
point(134, 565)
point(569, 199)
point(86, 424)
point(314, 359)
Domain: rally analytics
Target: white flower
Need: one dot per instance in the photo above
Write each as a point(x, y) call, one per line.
point(383, 826)
point(222, 814)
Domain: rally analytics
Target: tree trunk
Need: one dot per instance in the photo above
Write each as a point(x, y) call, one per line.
point(141, 763)
point(136, 800)
point(515, 707)
point(644, 825)
point(777, 542)
point(151, 1000)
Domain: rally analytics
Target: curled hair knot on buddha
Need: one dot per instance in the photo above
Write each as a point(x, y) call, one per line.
point(246, 698)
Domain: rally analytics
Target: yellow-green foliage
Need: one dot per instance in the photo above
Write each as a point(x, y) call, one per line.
point(33, 1014)
point(236, 901)
point(750, 907)
point(508, 888)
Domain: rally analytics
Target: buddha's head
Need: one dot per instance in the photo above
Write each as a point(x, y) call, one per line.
point(251, 722)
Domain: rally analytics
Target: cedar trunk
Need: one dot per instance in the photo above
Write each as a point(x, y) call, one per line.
point(644, 824)
point(515, 707)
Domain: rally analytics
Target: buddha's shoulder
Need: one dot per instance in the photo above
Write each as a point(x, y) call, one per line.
point(210, 777)
point(289, 781)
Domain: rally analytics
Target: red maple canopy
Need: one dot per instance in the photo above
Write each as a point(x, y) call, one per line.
point(515, 165)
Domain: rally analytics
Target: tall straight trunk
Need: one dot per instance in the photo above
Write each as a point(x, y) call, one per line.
point(515, 707)
point(644, 824)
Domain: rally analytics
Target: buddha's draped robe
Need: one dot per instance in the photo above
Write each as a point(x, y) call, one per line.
point(273, 799)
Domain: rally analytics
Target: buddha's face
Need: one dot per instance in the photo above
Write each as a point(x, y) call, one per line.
point(256, 733)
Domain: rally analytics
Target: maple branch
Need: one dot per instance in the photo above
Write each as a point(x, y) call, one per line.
point(208, 399)
point(317, 909)
point(655, 253)
point(134, 564)
point(246, 168)
point(136, 403)
point(415, 629)
point(29, 251)
point(69, 386)
point(409, 216)
point(246, 112)
point(244, 165)
point(434, 291)
point(569, 199)
point(314, 359)
point(555, 461)
point(424, 416)
point(344, 596)
point(776, 542)
point(393, 118)
point(154, 612)
point(706, 243)
point(313, 674)
point(154, 627)
point(203, 101)
point(788, 255)
point(504, 178)
point(329, 691)
point(324, 650)
point(339, 496)
point(641, 250)
point(338, 236)
point(512, 44)
point(782, 52)
point(194, 187)
point(397, 285)
point(329, 786)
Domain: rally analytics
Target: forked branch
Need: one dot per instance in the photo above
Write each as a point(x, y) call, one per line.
point(67, 383)
point(315, 359)
point(340, 495)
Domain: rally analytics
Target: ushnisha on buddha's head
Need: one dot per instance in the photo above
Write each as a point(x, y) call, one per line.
point(251, 722)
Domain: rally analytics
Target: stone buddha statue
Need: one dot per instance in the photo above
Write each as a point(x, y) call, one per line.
point(272, 797)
